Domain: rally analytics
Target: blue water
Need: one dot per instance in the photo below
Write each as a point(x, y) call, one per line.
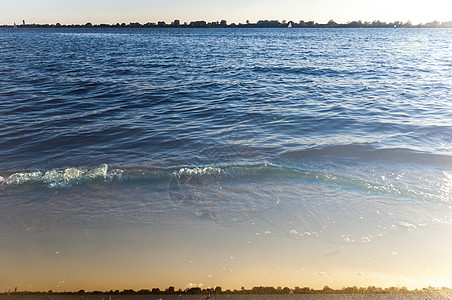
point(300, 132)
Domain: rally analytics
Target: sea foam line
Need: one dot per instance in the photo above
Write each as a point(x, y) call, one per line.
point(65, 178)
point(61, 178)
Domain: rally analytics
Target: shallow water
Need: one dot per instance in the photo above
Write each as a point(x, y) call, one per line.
point(309, 138)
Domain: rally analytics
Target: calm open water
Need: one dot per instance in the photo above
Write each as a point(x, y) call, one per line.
point(343, 135)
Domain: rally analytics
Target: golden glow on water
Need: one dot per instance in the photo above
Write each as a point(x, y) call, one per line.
point(211, 255)
point(446, 188)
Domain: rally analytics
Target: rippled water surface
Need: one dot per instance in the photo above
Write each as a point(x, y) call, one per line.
point(342, 135)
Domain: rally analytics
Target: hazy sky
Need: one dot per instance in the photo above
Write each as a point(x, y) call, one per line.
point(112, 11)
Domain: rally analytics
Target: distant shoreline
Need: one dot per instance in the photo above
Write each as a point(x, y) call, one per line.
point(261, 290)
point(224, 24)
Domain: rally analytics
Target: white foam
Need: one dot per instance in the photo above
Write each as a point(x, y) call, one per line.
point(100, 171)
point(61, 178)
point(21, 178)
point(198, 171)
point(116, 173)
point(406, 225)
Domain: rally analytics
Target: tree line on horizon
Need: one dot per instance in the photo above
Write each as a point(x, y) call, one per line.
point(254, 291)
point(247, 24)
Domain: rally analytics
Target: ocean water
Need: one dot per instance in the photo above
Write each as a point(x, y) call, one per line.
point(331, 139)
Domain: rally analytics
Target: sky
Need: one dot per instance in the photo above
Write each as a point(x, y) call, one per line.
point(238, 11)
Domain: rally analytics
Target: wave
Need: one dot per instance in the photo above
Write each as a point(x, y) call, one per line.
point(61, 178)
point(67, 177)
point(257, 198)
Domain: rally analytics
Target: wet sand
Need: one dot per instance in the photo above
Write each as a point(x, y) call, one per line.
point(177, 255)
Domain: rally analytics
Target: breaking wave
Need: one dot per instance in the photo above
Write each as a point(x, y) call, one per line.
point(65, 178)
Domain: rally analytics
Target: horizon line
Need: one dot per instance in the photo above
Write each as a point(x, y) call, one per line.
point(261, 23)
point(257, 290)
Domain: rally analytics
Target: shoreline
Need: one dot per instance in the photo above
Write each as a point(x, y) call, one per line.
point(232, 297)
point(261, 290)
point(224, 24)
